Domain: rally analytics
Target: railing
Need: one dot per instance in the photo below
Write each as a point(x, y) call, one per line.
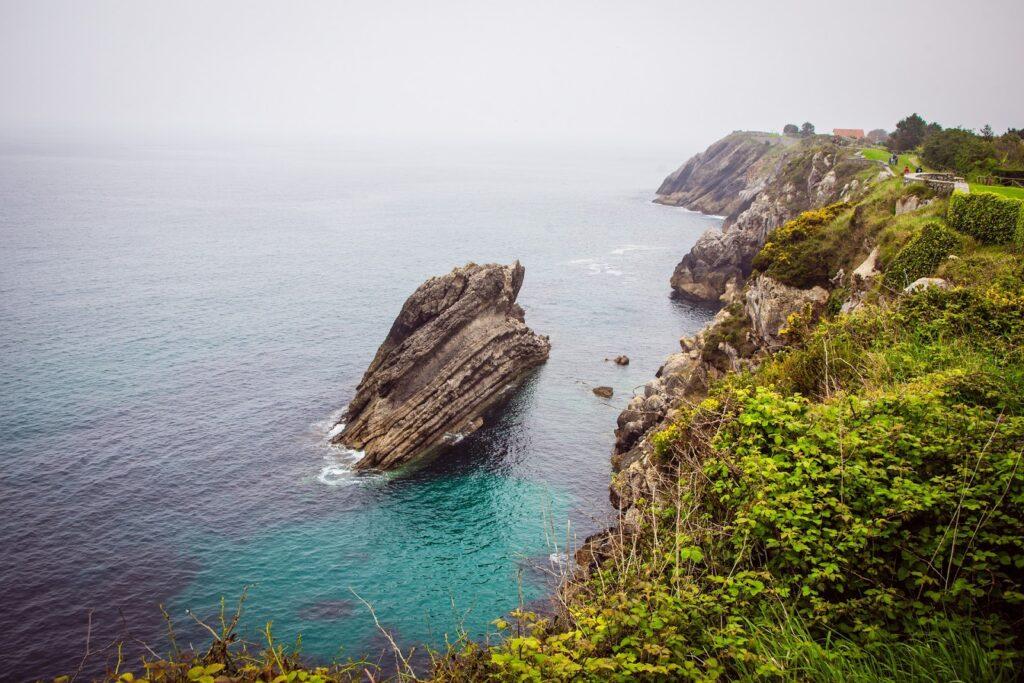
point(1001, 180)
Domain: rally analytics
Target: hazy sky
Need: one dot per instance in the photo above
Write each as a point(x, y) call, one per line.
point(622, 73)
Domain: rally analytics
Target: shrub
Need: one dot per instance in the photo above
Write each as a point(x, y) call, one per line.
point(922, 255)
point(800, 253)
point(1018, 237)
point(986, 216)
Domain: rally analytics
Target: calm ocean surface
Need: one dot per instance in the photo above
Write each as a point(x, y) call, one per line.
point(179, 330)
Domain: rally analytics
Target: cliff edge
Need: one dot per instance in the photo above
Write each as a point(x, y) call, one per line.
point(757, 181)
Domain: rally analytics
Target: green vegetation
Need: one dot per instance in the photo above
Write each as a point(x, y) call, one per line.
point(922, 255)
point(960, 151)
point(987, 217)
point(802, 252)
point(801, 656)
point(1004, 191)
point(852, 508)
point(878, 154)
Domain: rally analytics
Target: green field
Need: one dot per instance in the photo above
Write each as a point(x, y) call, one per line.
point(1012, 192)
point(905, 160)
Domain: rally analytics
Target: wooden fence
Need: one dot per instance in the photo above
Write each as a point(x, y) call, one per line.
point(1001, 180)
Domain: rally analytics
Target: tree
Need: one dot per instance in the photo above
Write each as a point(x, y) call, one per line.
point(955, 149)
point(790, 129)
point(877, 136)
point(807, 129)
point(909, 133)
point(986, 132)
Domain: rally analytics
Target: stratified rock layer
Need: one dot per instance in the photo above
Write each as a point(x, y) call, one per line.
point(459, 343)
point(758, 182)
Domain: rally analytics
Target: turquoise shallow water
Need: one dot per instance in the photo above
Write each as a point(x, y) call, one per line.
point(179, 330)
point(421, 572)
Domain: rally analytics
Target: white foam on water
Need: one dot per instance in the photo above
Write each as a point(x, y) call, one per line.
point(340, 467)
point(631, 247)
point(339, 461)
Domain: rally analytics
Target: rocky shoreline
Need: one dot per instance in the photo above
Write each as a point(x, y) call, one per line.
point(759, 181)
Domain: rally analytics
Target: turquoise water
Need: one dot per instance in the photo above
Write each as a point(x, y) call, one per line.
point(179, 329)
point(422, 572)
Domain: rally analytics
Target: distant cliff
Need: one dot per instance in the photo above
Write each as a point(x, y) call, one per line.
point(757, 181)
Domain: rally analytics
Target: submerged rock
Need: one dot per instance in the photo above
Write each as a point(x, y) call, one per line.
point(621, 360)
point(603, 392)
point(459, 343)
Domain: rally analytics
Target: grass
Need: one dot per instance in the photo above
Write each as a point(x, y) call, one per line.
point(787, 650)
point(905, 160)
point(1011, 192)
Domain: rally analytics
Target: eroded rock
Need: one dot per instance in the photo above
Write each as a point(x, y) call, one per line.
point(459, 344)
point(770, 303)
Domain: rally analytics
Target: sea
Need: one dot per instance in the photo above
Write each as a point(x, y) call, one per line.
point(180, 330)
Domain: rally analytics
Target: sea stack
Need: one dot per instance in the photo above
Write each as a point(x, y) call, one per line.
point(459, 343)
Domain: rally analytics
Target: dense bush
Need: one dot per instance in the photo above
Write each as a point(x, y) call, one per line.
point(799, 253)
point(922, 255)
point(1018, 237)
point(987, 217)
point(876, 516)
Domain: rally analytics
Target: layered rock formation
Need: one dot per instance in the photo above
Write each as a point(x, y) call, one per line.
point(761, 181)
point(727, 175)
point(459, 343)
point(738, 337)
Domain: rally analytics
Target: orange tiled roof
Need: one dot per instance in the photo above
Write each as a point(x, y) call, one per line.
point(855, 133)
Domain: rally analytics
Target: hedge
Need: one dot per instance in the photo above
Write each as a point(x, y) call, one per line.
point(922, 255)
point(1018, 238)
point(987, 217)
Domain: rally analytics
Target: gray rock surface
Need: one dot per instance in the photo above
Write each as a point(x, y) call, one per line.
point(925, 282)
point(459, 343)
point(778, 185)
point(770, 303)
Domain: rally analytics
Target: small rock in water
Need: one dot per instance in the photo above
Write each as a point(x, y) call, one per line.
point(622, 360)
point(604, 392)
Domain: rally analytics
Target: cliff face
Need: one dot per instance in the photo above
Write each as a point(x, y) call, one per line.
point(458, 344)
point(780, 182)
point(723, 179)
point(759, 181)
point(737, 338)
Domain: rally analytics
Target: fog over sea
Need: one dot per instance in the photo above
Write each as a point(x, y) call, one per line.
point(179, 330)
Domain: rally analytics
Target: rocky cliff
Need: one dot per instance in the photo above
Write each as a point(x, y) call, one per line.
point(459, 343)
point(724, 178)
point(758, 181)
point(738, 337)
point(785, 179)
